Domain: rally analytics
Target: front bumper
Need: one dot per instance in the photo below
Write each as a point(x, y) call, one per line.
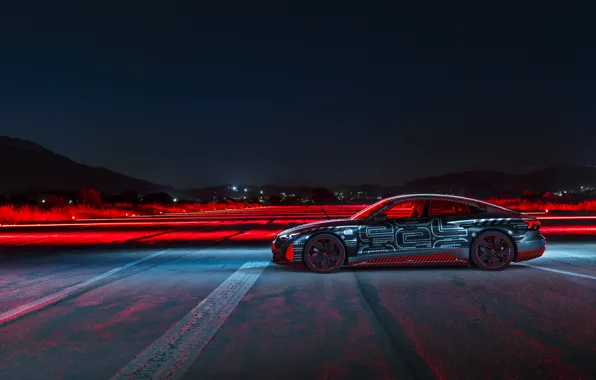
point(282, 252)
point(530, 247)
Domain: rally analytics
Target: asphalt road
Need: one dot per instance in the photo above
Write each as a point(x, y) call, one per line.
point(174, 307)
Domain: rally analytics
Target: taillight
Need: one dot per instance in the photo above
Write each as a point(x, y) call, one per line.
point(533, 224)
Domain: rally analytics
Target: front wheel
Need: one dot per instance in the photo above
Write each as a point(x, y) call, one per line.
point(324, 254)
point(492, 250)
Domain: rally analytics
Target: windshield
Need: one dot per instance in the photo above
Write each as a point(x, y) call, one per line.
point(363, 214)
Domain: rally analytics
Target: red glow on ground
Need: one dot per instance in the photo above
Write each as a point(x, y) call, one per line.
point(278, 215)
point(256, 235)
point(113, 236)
point(71, 238)
point(186, 236)
point(37, 214)
point(227, 222)
point(156, 222)
point(268, 220)
point(28, 214)
point(294, 221)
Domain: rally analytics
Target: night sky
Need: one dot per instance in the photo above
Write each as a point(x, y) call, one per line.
point(300, 93)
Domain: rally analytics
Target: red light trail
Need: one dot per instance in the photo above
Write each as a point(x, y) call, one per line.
point(221, 224)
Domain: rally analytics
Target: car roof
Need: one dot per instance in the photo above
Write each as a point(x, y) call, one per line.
point(470, 201)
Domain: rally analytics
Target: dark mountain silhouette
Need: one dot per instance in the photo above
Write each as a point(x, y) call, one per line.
point(28, 168)
point(469, 183)
point(557, 177)
point(563, 176)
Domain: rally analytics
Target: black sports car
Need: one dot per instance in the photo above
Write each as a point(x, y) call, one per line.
point(414, 230)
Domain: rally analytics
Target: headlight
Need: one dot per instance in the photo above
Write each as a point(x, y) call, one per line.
point(288, 236)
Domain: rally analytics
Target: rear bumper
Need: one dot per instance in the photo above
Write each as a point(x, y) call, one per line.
point(530, 247)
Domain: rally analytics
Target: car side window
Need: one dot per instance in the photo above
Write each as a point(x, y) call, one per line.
point(447, 208)
point(404, 210)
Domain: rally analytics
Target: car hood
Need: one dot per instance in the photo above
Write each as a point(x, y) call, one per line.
point(324, 223)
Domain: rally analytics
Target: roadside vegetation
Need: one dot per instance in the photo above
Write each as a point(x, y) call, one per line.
point(544, 205)
point(88, 204)
point(10, 214)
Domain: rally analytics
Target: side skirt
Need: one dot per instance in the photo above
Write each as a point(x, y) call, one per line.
point(414, 257)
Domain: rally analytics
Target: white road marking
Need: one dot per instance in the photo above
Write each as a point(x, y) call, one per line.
point(53, 298)
point(560, 271)
point(174, 352)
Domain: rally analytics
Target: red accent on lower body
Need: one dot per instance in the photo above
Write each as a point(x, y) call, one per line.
point(417, 260)
point(529, 255)
point(290, 254)
point(290, 264)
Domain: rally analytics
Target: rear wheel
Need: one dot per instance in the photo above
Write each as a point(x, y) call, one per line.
point(492, 250)
point(324, 254)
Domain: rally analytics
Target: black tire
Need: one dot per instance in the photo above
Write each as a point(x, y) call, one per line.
point(324, 253)
point(492, 251)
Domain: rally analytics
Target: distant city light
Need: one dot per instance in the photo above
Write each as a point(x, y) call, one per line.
point(43, 201)
point(245, 189)
point(261, 191)
point(234, 188)
point(175, 199)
